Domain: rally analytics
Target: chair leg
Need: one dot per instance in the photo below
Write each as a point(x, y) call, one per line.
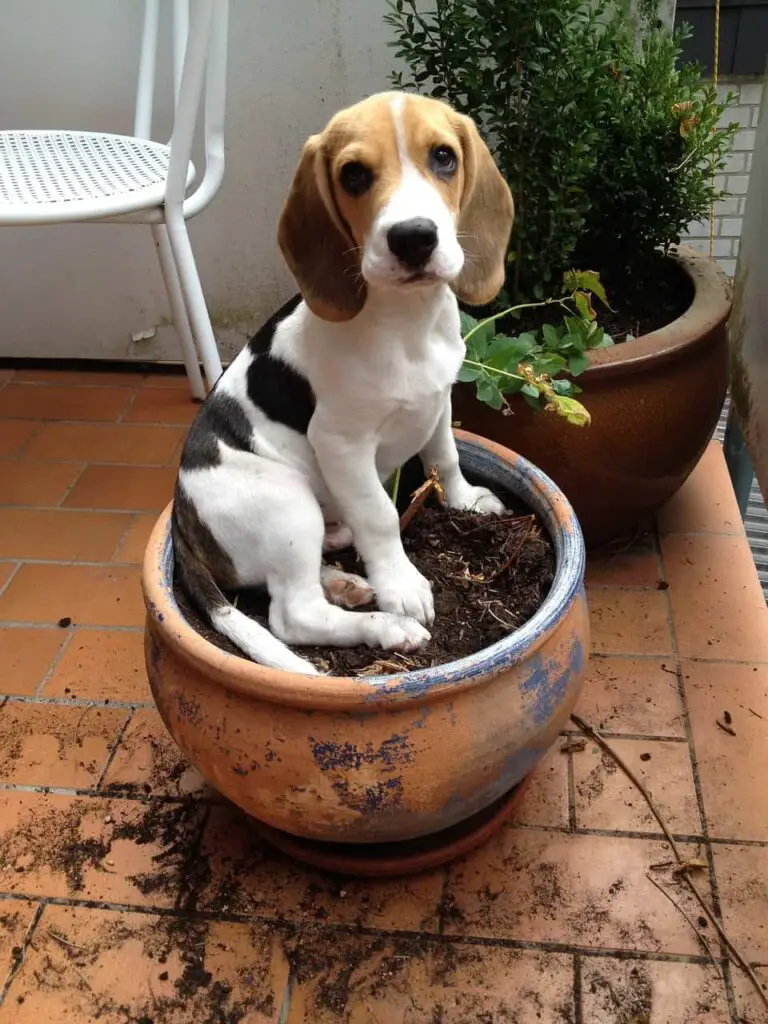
point(178, 309)
point(194, 299)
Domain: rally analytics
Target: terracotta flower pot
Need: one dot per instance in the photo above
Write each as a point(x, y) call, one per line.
point(384, 758)
point(654, 402)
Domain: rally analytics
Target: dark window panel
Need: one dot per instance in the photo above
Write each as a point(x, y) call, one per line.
point(743, 34)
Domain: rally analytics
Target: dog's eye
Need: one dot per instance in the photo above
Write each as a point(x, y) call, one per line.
point(443, 160)
point(356, 178)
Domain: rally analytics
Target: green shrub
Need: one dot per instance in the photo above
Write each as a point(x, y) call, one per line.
point(609, 147)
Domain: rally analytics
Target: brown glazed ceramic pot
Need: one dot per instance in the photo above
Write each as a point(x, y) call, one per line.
point(654, 402)
point(382, 758)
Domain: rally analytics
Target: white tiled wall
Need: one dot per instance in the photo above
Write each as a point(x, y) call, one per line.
point(735, 178)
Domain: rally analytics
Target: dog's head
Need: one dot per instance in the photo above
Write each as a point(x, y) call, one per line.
point(399, 192)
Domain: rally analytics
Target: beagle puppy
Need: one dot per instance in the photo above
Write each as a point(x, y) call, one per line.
point(395, 209)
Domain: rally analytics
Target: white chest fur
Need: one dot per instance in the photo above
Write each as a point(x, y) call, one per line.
point(386, 374)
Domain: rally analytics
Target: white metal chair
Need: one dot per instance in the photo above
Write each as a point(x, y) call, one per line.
point(53, 177)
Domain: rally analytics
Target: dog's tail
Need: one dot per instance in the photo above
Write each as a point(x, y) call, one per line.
point(249, 636)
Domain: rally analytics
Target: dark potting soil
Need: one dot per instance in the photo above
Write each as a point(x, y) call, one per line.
point(637, 307)
point(489, 575)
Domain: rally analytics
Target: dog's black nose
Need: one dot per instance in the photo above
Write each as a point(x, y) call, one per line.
point(413, 241)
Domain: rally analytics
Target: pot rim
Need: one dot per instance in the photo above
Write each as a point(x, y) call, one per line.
point(366, 693)
point(711, 306)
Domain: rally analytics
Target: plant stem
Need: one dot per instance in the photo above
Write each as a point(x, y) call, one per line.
point(396, 484)
point(513, 309)
point(492, 369)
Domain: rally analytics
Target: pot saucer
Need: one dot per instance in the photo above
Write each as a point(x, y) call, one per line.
point(410, 856)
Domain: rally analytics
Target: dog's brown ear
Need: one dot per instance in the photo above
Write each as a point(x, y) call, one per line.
point(485, 220)
point(315, 243)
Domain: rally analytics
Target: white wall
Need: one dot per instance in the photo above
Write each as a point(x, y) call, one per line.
point(81, 291)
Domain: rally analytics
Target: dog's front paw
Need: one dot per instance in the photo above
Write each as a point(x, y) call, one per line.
point(475, 499)
point(396, 633)
point(404, 591)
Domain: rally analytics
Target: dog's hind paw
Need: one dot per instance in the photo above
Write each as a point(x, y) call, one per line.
point(396, 633)
point(345, 589)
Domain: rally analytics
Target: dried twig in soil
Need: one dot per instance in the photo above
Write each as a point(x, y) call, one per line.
point(419, 497)
point(588, 730)
point(515, 551)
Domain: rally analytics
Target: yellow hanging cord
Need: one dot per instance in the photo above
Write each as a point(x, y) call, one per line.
point(715, 78)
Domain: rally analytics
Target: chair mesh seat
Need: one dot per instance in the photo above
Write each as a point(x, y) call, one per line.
point(63, 172)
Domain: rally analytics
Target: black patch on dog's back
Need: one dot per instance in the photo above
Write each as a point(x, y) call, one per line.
point(221, 418)
point(275, 387)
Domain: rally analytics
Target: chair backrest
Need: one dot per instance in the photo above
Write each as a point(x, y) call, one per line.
point(199, 58)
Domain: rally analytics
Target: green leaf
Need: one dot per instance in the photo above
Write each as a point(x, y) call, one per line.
point(583, 305)
point(585, 280)
point(549, 363)
point(595, 339)
point(488, 392)
point(563, 386)
point(510, 385)
point(505, 353)
point(530, 390)
point(552, 336)
point(467, 322)
point(468, 373)
point(571, 410)
point(577, 364)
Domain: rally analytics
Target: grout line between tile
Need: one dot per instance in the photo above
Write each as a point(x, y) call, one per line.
point(121, 415)
point(54, 663)
point(66, 494)
point(73, 382)
point(18, 962)
point(129, 527)
point(705, 533)
point(336, 928)
point(96, 423)
point(578, 1009)
point(639, 736)
point(4, 586)
point(22, 452)
point(652, 588)
point(88, 462)
point(77, 702)
point(622, 656)
point(113, 751)
point(91, 626)
point(97, 510)
point(730, 993)
point(76, 561)
point(698, 789)
point(571, 777)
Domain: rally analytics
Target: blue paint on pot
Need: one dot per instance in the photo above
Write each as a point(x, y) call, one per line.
point(461, 806)
point(549, 680)
point(344, 757)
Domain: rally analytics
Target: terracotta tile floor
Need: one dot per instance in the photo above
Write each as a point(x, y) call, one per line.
point(129, 892)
